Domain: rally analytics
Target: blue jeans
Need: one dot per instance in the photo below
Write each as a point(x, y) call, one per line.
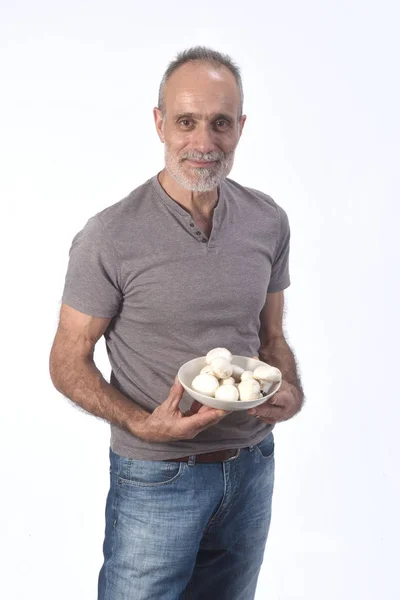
point(181, 531)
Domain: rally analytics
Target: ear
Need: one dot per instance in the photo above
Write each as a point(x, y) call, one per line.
point(158, 120)
point(241, 125)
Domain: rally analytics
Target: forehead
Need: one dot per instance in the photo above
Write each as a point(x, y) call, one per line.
point(202, 88)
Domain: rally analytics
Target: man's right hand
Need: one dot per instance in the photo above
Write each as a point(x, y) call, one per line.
point(168, 423)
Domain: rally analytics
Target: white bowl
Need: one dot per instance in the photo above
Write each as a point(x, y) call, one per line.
point(189, 370)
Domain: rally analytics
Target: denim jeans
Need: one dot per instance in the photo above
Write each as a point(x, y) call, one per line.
point(182, 531)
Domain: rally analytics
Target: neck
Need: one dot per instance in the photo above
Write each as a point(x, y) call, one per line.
point(202, 203)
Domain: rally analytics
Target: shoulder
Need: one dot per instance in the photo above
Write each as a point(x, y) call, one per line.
point(121, 216)
point(127, 208)
point(255, 198)
point(252, 194)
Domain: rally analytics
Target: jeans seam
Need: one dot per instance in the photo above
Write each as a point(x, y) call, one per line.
point(114, 520)
point(261, 455)
point(121, 481)
point(213, 520)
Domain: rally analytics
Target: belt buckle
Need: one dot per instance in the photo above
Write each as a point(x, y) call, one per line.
point(235, 456)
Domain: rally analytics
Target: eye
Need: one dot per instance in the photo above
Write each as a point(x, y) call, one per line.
point(221, 124)
point(185, 122)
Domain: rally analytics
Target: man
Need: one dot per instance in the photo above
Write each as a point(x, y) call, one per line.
point(188, 261)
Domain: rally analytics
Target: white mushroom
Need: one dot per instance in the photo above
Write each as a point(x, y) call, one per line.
point(227, 381)
point(249, 389)
point(227, 392)
point(265, 385)
point(221, 368)
point(205, 384)
point(246, 375)
point(237, 372)
point(218, 353)
point(207, 369)
point(267, 377)
point(267, 373)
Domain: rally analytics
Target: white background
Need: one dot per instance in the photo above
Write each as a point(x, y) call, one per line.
point(321, 79)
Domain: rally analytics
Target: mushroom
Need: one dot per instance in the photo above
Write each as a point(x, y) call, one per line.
point(267, 373)
point(249, 389)
point(267, 376)
point(205, 384)
point(219, 372)
point(227, 392)
point(218, 353)
point(237, 372)
point(221, 368)
point(227, 381)
point(207, 369)
point(246, 375)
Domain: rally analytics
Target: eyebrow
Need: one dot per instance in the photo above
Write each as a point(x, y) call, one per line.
point(197, 116)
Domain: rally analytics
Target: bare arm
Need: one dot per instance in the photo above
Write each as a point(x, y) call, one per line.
point(275, 351)
point(75, 375)
point(274, 348)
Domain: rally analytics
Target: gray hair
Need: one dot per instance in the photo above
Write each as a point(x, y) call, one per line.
point(201, 53)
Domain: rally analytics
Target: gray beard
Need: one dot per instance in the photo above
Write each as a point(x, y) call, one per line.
point(204, 180)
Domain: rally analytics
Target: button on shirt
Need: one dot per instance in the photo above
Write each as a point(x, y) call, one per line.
point(173, 294)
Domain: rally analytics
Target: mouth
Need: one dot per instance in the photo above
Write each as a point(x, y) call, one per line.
point(201, 164)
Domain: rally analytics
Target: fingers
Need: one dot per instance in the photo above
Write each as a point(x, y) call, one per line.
point(275, 413)
point(264, 418)
point(206, 418)
point(267, 421)
point(175, 393)
point(274, 400)
point(199, 416)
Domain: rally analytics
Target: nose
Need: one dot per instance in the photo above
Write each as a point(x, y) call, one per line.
point(203, 140)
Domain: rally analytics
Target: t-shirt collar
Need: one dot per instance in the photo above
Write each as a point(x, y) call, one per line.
point(177, 207)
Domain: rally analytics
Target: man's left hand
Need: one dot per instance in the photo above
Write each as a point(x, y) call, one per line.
point(280, 407)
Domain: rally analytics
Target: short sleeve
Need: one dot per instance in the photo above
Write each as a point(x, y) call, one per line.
point(92, 282)
point(280, 278)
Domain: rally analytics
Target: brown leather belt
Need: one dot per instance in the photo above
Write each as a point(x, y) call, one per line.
point(210, 457)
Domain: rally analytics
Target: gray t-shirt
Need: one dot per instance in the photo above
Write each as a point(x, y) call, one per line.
point(174, 294)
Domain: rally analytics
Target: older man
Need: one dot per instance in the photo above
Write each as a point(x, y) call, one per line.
point(188, 261)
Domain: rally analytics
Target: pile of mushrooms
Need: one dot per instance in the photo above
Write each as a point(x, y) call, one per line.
point(225, 381)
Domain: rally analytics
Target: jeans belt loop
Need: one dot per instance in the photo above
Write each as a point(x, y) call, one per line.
point(236, 455)
point(192, 460)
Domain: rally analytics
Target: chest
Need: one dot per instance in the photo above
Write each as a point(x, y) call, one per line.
point(170, 274)
point(198, 289)
point(204, 224)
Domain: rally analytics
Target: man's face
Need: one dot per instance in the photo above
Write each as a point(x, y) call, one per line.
point(201, 126)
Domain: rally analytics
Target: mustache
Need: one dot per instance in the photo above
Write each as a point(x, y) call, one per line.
point(209, 157)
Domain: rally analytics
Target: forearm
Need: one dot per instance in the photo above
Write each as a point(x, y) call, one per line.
point(279, 354)
point(83, 383)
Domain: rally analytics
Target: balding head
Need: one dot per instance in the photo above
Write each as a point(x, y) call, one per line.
point(204, 86)
point(204, 55)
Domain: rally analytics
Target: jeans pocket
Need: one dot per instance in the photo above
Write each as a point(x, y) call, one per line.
point(266, 447)
point(148, 473)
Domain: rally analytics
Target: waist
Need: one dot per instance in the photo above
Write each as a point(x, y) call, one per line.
point(209, 457)
point(242, 430)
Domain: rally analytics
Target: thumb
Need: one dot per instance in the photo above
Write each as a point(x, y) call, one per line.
point(175, 393)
